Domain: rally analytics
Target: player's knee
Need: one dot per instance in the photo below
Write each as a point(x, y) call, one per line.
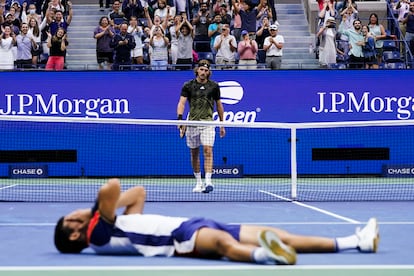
point(141, 193)
point(224, 244)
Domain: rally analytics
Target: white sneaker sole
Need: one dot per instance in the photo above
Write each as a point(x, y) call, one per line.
point(371, 239)
point(283, 254)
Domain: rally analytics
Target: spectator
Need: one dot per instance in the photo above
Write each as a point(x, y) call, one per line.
point(34, 32)
point(159, 46)
point(31, 13)
point(247, 50)
point(185, 37)
point(348, 15)
point(133, 8)
point(237, 24)
point(7, 41)
point(225, 17)
point(146, 47)
point(327, 11)
point(59, 20)
point(11, 21)
point(180, 6)
point(164, 11)
point(321, 3)
point(402, 8)
point(356, 57)
point(25, 43)
point(262, 32)
point(378, 32)
point(201, 22)
point(156, 22)
point(327, 47)
point(265, 11)
point(248, 15)
point(17, 9)
point(57, 45)
point(273, 46)
point(137, 33)
point(368, 49)
point(173, 28)
point(116, 16)
point(122, 43)
point(55, 5)
point(409, 21)
point(101, 4)
point(103, 35)
point(225, 46)
point(214, 29)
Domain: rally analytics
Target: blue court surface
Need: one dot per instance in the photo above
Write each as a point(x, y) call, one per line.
point(26, 246)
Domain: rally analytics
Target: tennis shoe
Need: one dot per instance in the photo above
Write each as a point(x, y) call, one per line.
point(199, 188)
point(208, 188)
point(368, 237)
point(281, 253)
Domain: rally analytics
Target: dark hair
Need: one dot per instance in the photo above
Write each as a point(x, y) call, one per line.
point(203, 63)
point(62, 241)
point(373, 15)
point(101, 19)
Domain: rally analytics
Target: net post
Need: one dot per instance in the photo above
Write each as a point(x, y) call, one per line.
point(293, 163)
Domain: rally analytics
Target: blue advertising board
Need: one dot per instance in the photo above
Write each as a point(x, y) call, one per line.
point(248, 96)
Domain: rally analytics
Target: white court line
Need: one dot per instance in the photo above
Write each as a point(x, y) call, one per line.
point(49, 224)
point(210, 267)
point(313, 208)
point(10, 186)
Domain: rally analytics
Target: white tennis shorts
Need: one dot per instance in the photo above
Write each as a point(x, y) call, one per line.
point(137, 52)
point(200, 135)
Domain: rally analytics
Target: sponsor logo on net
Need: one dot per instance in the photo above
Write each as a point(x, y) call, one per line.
point(350, 102)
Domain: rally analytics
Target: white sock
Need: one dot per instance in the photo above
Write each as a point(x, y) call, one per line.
point(208, 178)
point(260, 256)
point(198, 178)
point(344, 243)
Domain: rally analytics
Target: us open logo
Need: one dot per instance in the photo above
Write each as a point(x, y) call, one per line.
point(231, 94)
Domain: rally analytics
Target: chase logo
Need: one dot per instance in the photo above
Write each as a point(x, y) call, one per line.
point(231, 92)
point(228, 171)
point(28, 171)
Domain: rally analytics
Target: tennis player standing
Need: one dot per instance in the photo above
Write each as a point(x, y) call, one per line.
point(201, 94)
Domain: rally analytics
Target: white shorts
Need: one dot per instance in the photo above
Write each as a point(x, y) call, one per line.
point(136, 52)
point(200, 135)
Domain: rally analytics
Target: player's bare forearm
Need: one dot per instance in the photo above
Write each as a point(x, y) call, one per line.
point(181, 105)
point(133, 200)
point(108, 197)
point(220, 110)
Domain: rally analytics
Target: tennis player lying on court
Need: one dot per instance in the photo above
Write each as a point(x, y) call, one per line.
point(101, 229)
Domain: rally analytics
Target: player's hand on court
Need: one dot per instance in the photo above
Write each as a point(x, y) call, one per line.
point(222, 132)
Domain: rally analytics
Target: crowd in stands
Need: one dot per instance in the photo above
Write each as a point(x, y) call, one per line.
point(33, 33)
point(359, 43)
point(177, 33)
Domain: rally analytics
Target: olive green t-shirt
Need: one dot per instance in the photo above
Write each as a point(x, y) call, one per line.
point(201, 98)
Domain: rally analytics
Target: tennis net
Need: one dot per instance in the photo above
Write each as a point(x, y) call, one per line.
point(56, 159)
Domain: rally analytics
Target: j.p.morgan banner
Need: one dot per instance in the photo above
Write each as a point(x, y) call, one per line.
point(248, 96)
